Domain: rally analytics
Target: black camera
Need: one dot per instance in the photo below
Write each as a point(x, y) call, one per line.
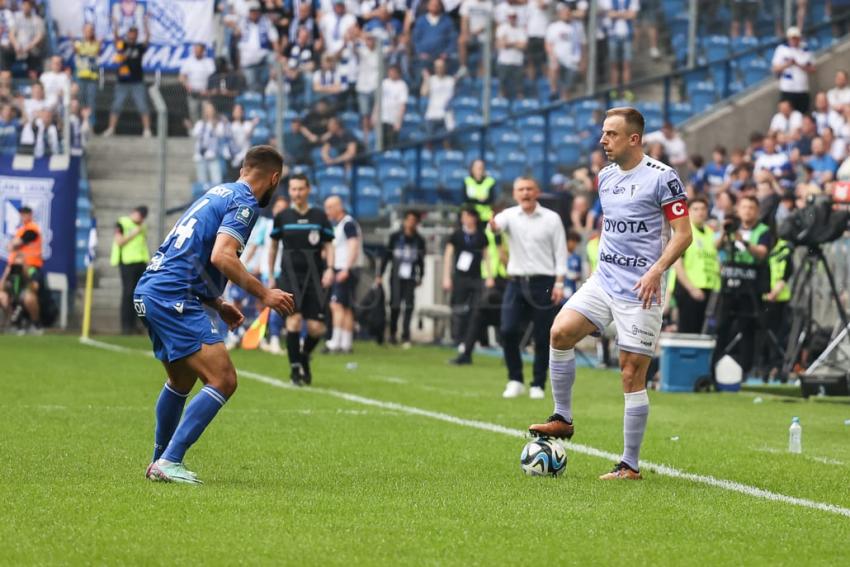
point(731, 224)
point(815, 224)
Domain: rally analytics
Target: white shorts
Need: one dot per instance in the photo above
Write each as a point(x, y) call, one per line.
point(637, 328)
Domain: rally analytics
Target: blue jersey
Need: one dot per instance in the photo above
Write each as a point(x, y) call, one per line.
point(574, 272)
point(181, 268)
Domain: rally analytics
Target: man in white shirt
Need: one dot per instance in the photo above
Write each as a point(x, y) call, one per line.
point(368, 56)
point(839, 95)
point(793, 65)
point(537, 265)
point(56, 82)
point(334, 26)
point(674, 145)
point(474, 18)
point(195, 73)
point(394, 93)
point(511, 41)
point(786, 120)
point(27, 37)
point(439, 88)
point(258, 40)
point(565, 45)
point(538, 22)
point(826, 117)
point(328, 82)
point(619, 23)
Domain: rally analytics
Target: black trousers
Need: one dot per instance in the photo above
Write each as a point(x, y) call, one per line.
point(776, 320)
point(487, 313)
point(737, 314)
point(130, 275)
point(528, 300)
point(401, 291)
point(799, 101)
point(691, 311)
point(466, 294)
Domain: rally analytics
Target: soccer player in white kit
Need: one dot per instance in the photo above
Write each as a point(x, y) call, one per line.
point(642, 199)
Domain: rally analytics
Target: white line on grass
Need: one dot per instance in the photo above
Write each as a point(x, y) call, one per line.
point(663, 470)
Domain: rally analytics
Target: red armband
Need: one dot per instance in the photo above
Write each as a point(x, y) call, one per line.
point(675, 210)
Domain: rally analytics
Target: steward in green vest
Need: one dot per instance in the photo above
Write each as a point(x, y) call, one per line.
point(130, 254)
point(776, 308)
point(780, 263)
point(593, 251)
point(697, 272)
point(479, 190)
point(495, 251)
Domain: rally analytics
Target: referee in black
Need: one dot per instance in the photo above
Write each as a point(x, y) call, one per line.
point(305, 233)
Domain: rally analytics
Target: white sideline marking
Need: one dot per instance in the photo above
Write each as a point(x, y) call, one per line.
point(660, 469)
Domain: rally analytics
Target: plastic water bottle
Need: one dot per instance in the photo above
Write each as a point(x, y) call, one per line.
point(795, 436)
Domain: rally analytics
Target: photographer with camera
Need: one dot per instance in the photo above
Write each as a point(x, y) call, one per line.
point(746, 243)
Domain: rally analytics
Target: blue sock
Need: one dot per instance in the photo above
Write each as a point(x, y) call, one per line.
point(169, 408)
point(275, 324)
point(200, 412)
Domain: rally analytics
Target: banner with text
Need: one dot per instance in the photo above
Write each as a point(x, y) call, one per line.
point(174, 25)
point(52, 196)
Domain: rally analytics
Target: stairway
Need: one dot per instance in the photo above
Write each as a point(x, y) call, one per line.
point(123, 174)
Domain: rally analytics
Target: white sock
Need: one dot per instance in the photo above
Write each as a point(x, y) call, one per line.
point(347, 338)
point(562, 372)
point(335, 339)
point(635, 416)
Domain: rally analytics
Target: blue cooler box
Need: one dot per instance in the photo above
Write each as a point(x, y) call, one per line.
point(684, 359)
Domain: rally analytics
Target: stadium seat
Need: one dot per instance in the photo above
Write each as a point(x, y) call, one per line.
point(444, 157)
point(533, 142)
point(426, 189)
point(365, 174)
point(343, 191)
point(389, 158)
point(427, 158)
point(465, 103)
point(261, 135)
point(250, 100)
point(474, 153)
point(505, 138)
point(367, 203)
point(393, 190)
point(754, 72)
point(350, 120)
point(535, 121)
point(513, 165)
point(452, 176)
point(525, 105)
point(568, 150)
point(716, 47)
point(258, 113)
point(680, 111)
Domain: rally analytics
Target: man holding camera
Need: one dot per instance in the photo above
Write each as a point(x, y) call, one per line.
point(747, 243)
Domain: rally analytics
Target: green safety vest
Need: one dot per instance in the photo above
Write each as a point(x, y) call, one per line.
point(593, 253)
point(700, 260)
point(744, 257)
point(777, 261)
point(133, 252)
point(480, 191)
point(497, 268)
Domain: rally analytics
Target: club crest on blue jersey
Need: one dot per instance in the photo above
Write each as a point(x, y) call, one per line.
point(675, 187)
point(244, 214)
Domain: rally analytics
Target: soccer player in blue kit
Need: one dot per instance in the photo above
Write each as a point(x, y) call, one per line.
point(642, 199)
point(190, 269)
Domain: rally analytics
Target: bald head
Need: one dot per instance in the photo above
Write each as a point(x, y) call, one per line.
point(334, 208)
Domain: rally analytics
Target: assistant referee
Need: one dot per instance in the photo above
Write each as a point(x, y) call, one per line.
point(537, 265)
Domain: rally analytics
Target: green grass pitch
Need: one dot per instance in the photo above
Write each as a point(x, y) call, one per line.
point(305, 478)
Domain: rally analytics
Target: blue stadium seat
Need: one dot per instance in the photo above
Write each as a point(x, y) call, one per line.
point(525, 105)
point(568, 150)
point(444, 157)
point(329, 176)
point(473, 154)
point(84, 188)
point(716, 47)
point(513, 165)
point(503, 138)
point(350, 120)
point(368, 201)
point(532, 142)
point(261, 135)
point(259, 113)
point(754, 72)
point(680, 111)
point(393, 190)
point(452, 176)
point(390, 158)
point(250, 100)
point(460, 103)
point(410, 157)
point(366, 174)
point(535, 121)
point(426, 190)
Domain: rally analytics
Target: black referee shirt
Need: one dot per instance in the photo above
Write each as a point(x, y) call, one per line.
point(303, 237)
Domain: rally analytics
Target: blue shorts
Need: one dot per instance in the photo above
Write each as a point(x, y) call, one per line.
point(343, 292)
point(177, 328)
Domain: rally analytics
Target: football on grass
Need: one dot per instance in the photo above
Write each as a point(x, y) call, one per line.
point(543, 457)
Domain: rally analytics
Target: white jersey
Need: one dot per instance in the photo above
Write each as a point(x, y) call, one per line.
point(636, 205)
point(345, 229)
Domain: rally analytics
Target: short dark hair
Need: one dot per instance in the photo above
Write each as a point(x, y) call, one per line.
point(415, 214)
point(300, 177)
point(263, 157)
point(632, 116)
point(720, 150)
point(697, 199)
point(25, 210)
point(142, 210)
point(471, 211)
point(749, 198)
point(573, 236)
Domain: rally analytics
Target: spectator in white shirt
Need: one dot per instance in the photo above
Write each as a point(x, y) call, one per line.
point(786, 120)
point(27, 37)
point(836, 146)
point(511, 41)
point(538, 21)
point(439, 88)
point(773, 160)
point(674, 145)
point(328, 82)
point(56, 81)
point(475, 16)
point(565, 45)
point(209, 134)
point(793, 64)
point(195, 73)
point(41, 134)
point(824, 115)
point(368, 55)
point(839, 95)
point(394, 94)
point(334, 25)
point(239, 132)
point(35, 103)
point(258, 41)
